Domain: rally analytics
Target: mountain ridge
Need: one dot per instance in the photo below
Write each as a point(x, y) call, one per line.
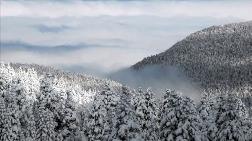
point(216, 57)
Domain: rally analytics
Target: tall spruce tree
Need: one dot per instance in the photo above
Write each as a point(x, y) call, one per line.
point(96, 119)
point(126, 127)
point(147, 114)
point(45, 122)
point(101, 119)
point(70, 122)
point(179, 119)
point(3, 120)
point(205, 109)
point(232, 120)
point(10, 124)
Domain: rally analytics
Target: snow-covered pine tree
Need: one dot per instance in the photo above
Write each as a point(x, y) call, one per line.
point(23, 105)
point(127, 127)
point(15, 99)
point(29, 88)
point(95, 119)
point(57, 106)
point(110, 101)
point(179, 119)
point(44, 116)
point(28, 124)
point(13, 123)
point(205, 109)
point(10, 128)
point(232, 120)
point(147, 115)
point(136, 96)
point(70, 122)
point(29, 80)
point(17, 84)
point(101, 119)
point(45, 124)
point(3, 120)
point(7, 74)
point(10, 125)
point(193, 127)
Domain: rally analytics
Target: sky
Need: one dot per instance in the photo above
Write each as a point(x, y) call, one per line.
point(105, 36)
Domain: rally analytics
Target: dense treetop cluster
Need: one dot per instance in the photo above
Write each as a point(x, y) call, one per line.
point(85, 81)
point(49, 107)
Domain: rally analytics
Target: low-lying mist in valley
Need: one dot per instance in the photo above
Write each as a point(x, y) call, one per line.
point(158, 78)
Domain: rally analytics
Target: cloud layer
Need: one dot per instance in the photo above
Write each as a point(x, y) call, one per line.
point(105, 35)
point(56, 9)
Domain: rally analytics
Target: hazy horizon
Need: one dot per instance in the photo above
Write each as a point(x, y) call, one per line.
point(101, 37)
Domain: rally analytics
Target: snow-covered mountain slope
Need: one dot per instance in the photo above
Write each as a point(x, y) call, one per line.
point(218, 57)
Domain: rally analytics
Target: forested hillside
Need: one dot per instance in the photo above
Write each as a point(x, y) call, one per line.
point(47, 106)
point(218, 57)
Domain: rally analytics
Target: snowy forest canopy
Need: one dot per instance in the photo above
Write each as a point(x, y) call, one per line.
point(47, 106)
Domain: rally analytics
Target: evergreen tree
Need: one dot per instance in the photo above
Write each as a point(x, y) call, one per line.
point(45, 125)
point(25, 113)
point(21, 104)
point(13, 114)
point(205, 109)
point(102, 115)
point(70, 120)
point(10, 125)
point(29, 81)
point(3, 120)
point(28, 124)
point(126, 127)
point(7, 74)
point(179, 119)
point(44, 116)
point(147, 115)
point(96, 119)
point(232, 121)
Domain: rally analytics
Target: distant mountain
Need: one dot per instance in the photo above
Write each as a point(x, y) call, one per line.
point(218, 57)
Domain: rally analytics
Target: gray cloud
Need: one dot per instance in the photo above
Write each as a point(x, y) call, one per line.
point(54, 9)
point(53, 29)
point(21, 46)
